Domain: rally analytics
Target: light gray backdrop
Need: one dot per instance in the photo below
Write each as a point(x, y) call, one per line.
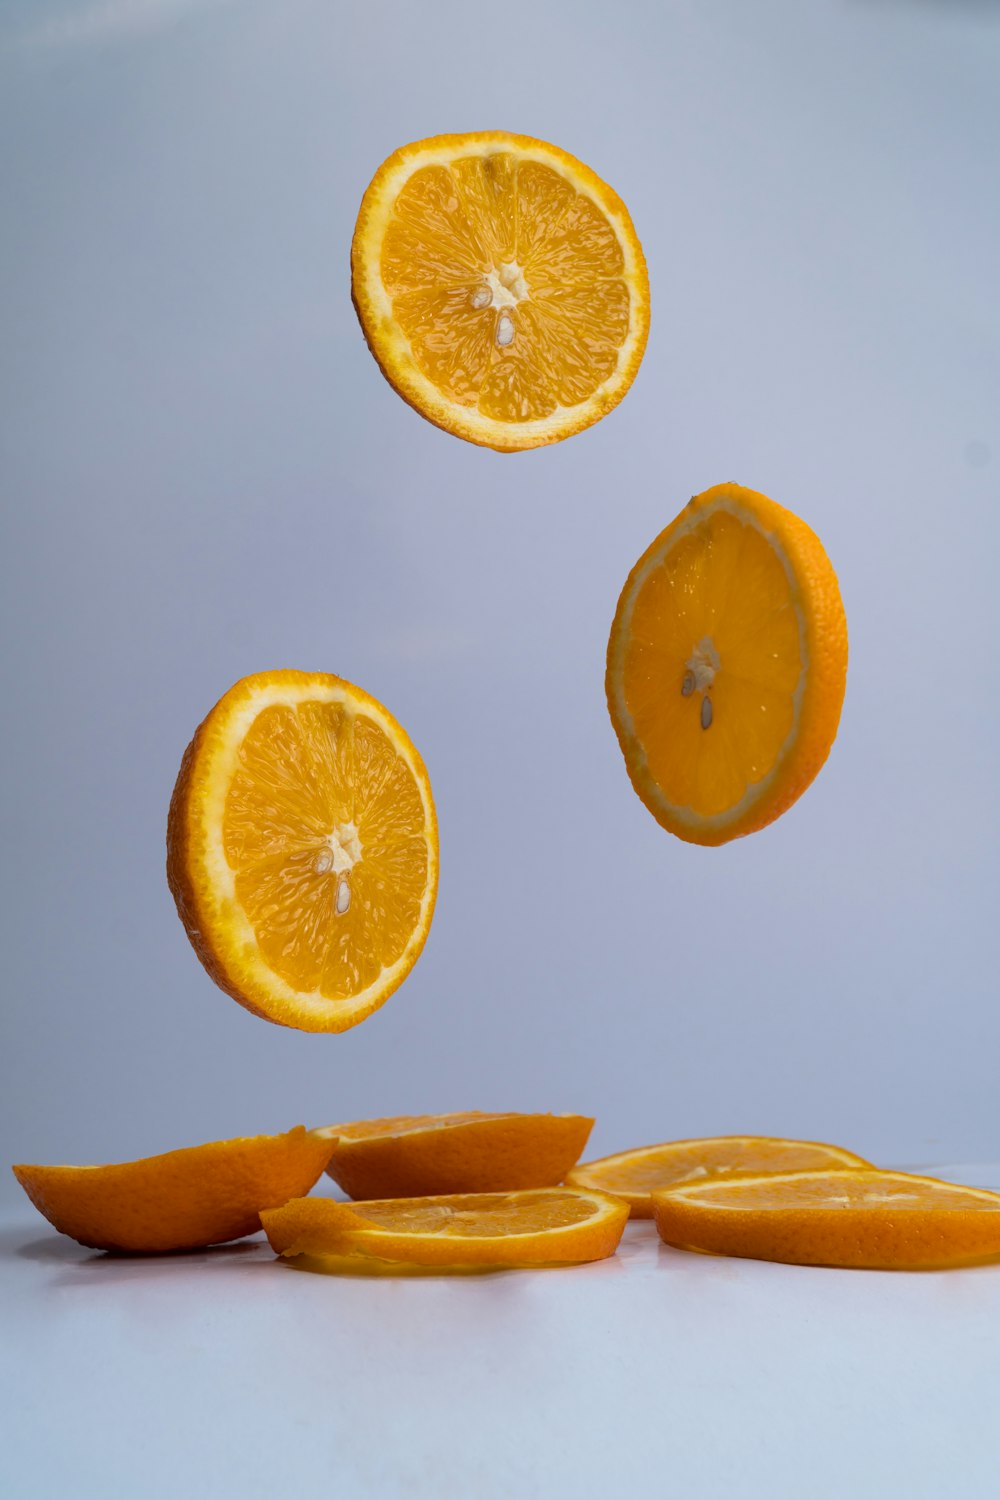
point(204, 474)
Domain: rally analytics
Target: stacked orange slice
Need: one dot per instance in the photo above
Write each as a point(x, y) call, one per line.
point(465, 1231)
point(635, 1175)
point(879, 1220)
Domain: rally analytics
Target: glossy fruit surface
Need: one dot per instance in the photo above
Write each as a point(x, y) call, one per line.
point(634, 1175)
point(539, 1227)
point(302, 849)
point(727, 664)
point(879, 1220)
point(501, 287)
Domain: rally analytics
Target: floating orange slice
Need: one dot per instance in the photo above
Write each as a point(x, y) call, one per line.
point(500, 286)
point(634, 1175)
point(201, 1195)
point(889, 1221)
point(727, 664)
point(421, 1155)
point(302, 849)
point(460, 1231)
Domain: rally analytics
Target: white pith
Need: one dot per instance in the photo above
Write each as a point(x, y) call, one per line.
point(341, 851)
point(703, 663)
point(507, 286)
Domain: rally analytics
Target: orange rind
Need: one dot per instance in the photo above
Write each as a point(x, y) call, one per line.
point(423, 1155)
point(182, 1200)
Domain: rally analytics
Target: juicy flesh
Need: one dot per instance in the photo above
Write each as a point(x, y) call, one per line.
point(646, 1171)
point(324, 828)
point(508, 284)
point(479, 1214)
point(844, 1190)
point(360, 1130)
point(712, 664)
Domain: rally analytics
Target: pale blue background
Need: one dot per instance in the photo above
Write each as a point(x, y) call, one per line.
point(205, 475)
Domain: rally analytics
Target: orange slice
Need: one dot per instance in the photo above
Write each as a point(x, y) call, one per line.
point(412, 1156)
point(201, 1195)
point(888, 1221)
point(302, 849)
point(459, 1231)
point(727, 664)
point(500, 286)
point(634, 1175)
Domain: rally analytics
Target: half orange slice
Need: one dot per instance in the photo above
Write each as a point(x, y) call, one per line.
point(200, 1195)
point(634, 1175)
point(302, 849)
point(889, 1221)
point(501, 287)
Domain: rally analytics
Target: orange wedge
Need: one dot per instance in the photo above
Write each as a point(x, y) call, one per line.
point(634, 1175)
point(460, 1231)
point(888, 1221)
point(501, 287)
point(302, 849)
point(201, 1195)
point(727, 664)
point(412, 1156)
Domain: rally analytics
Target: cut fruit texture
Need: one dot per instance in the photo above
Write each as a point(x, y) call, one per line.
point(727, 664)
point(872, 1219)
point(539, 1227)
point(634, 1175)
point(302, 849)
point(421, 1155)
point(501, 287)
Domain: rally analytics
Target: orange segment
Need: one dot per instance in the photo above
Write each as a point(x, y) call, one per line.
point(634, 1175)
point(539, 1227)
point(302, 849)
point(501, 287)
point(201, 1195)
point(727, 664)
point(421, 1155)
point(881, 1220)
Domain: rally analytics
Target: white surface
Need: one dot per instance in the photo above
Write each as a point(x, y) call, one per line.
point(226, 1373)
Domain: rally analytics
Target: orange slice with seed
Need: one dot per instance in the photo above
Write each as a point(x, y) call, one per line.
point(634, 1175)
point(501, 287)
point(727, 664)
point(302, 849)
point(182, 1200)
point(891, 1221)
point(461, 1231)
point(421, 1155)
